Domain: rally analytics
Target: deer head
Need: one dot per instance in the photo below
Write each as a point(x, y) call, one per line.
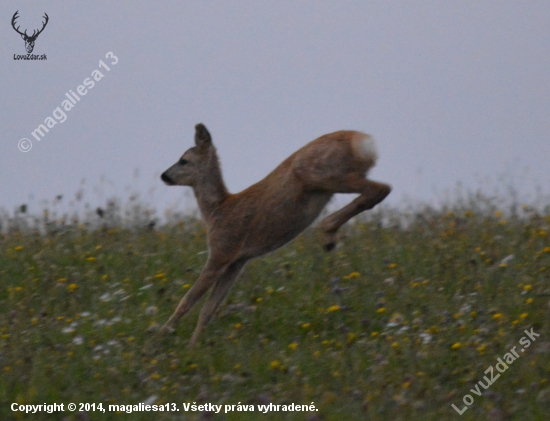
point(196, 163)
point(29, 40)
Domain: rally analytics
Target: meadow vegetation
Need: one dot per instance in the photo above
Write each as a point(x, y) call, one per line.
point(399, 322)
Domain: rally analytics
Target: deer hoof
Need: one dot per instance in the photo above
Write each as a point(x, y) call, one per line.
point(330, 241)
point(330, 246)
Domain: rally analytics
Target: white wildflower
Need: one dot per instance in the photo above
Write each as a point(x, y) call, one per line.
point(78, 340)
point(150, 400)
point(151, 310)
point(507, 259)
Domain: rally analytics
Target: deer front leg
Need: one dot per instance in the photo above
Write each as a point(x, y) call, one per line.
point(372, 193)
point(209, 275)
point(218, 294)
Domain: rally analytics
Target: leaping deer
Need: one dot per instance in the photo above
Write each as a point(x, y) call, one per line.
point(29, 40)
point(273, 211)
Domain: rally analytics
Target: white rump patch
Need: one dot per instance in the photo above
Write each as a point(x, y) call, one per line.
point(365, 146)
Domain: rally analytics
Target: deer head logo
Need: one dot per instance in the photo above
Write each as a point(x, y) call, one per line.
point(29, 40)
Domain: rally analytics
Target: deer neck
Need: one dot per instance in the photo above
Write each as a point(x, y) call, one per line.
point(210, 190)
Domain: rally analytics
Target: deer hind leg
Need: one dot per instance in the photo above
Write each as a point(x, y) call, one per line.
point(209, 275)
point(371, 193)
point(221, 289)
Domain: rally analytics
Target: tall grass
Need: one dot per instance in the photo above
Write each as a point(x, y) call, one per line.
point(399, 322)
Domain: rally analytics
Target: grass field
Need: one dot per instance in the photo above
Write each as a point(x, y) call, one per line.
point(400, 322)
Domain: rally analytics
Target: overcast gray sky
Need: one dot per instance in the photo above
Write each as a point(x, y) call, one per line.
point(453, 91)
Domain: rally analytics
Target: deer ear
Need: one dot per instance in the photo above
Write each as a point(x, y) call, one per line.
point(203, 140)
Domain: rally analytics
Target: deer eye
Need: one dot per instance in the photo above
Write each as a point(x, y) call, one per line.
point(182, 161)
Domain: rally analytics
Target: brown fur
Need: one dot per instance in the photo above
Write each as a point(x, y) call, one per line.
point(272, 212)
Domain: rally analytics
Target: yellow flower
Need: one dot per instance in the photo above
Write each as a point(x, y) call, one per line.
point(18, 248)
point(293, 346)
point(528, 287)
point(497, 316)
point(528, 300)
point(160, 275)
point(351, 275)
point(333, 308)
point(72, 287)
point(498, 214)
point(397, 318)
point(351, 337)
point(238, 325)
point(456, 345)
point(259, 299)
point(374, 334)
point(395, 345)
point(305, 325)
point(381, 310)
point(275, 364)
point(392, 266)
point(186, 286)
point(481, 348)
point(547, 249)
point(91, 259)
point(523, 316)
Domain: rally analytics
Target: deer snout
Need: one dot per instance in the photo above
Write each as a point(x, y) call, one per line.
point(166, 179)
